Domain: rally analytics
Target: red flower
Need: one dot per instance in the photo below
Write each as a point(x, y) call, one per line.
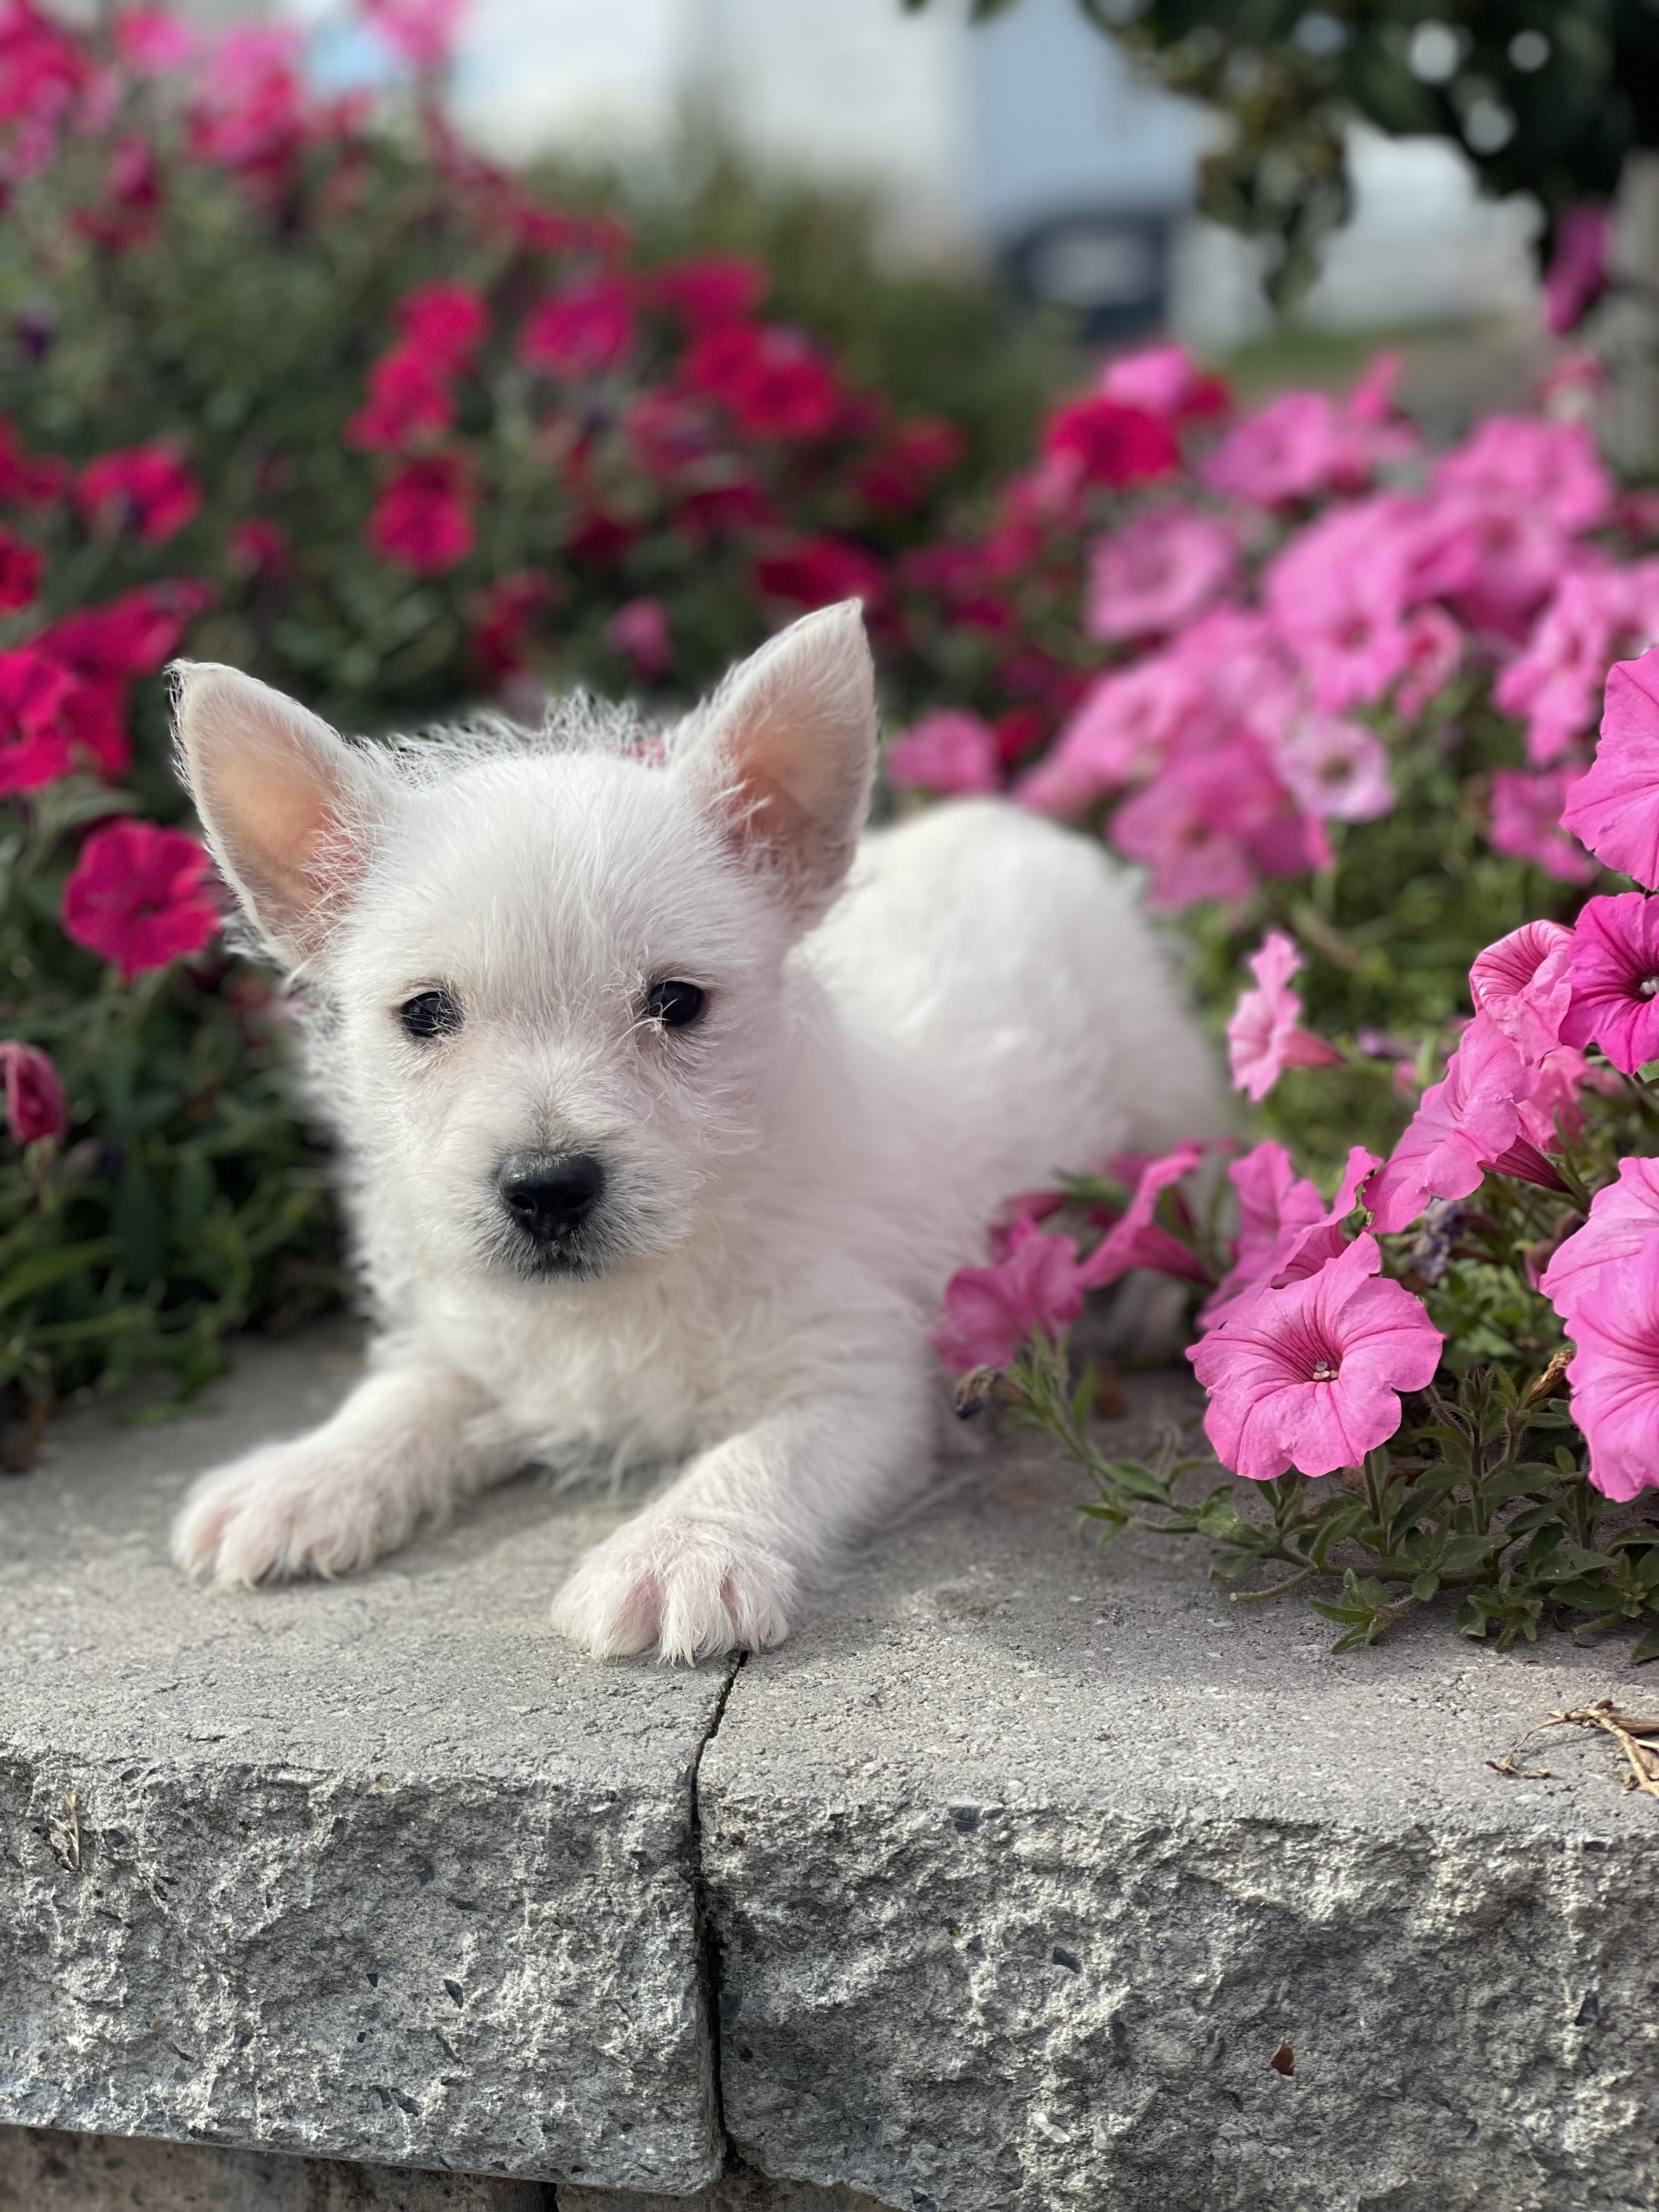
point(897, 475)
point(35, 741)
point(767, 376)
point(639, 631)
point(25, 480)
point(817, 572)
point(20, 572)
point(424, 516)
point(1108, 443)
point(408, 397)
point(257, 548)
point(146, 489)
point(711, 288)
point(141, 895)
point(34, 1095)
point(506, 611)
point(129, 636)
point(581, 331)
point(447, 322)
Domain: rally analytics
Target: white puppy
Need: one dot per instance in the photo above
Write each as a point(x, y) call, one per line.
point(663, 1135)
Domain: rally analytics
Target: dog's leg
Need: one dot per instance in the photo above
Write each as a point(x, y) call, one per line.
point(714, 1563)
point(407, 1443)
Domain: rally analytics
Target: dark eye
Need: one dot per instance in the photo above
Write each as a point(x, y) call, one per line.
point(430, 1014)
point(675, 1006)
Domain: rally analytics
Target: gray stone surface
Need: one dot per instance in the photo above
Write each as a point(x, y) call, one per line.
point(377, 1869)
point(47, 2170)
point(1025, 1864)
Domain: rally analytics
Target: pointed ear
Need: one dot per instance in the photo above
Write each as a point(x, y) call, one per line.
point(785, 753)
point(285, 804)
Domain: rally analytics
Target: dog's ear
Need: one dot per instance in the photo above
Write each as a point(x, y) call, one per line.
point(786, 751)
point(285, 804)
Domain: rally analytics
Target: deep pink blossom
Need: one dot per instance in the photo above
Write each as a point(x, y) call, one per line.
point(424, 516)
point(1135, 1239)
point(1272, 1199)
point(989, 1312)
point(1614, 1373)
point(147, 489)
point(1304, 445)
point(1338, 592)
point(1120, 734)
point(141, 895)
point(709, 289)
point(819, 572)
point(1550, 468)
point(1614, 807)
point(1264, 1036)
point(1523, 985)
point(1335, 768)
point(1309, 1375)
point(1577, 273)
point(1102, 442)
point(1155, 572)
point(20, 572)
point(1434, 652)
point(769, 377)
point(1213, 820)
point(1463, 1124)
point(409, 398)
point(447, 320)
point(1164, 380)
point(1623, 1219)
point(34, 738)
point(34, 1093)
point(581, 331)
point(1301, 1245)
point(1526, 822)
point(1556, 684)
point(1615, 980)
point(420, 32)
point(949, 752)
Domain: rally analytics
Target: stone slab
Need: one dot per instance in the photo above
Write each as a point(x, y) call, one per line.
point(376, 1870)
point(47, 2170)
point(1025, 1861)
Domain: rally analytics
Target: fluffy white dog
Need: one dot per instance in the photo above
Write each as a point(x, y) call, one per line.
point(670, 1109)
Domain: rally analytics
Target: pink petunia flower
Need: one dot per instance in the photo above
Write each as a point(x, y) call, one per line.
point(1615, 980)
point(1434, 654)
point(1100, 441)
point(1214, 819)
point(1463, 1124)
point(1526, 822)
point(1264, 1036)
point(1614, 1373)
point(1335, 768)
point(639, 631)
point(424, 516)
point(582, 330)
point(1551, 468)
point(1523, 984)
point(989, 1312)
point(1309, 1375)
point(1306, 444)
point(34, 1093)
point(1120, 735)
point(1557, 683)
point(34, 733)
point(1156, 572)
point(146, 489)
point(1577, 273)
point(769, 377)
point(950, 752)
point(1623, 1218)
point(141, 895)
point(419, 32)
point(1614, 807)
point(1164, 380)
point(1135, 1239)
point(1272, 1199)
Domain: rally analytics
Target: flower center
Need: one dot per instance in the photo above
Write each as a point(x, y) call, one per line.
point(1648, 987)
point(1325, 1371)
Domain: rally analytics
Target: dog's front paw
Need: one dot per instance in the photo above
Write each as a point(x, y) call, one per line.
point(292, 1509)
point(692, 1587)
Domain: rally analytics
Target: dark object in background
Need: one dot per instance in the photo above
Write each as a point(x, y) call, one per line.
point(1109, 270)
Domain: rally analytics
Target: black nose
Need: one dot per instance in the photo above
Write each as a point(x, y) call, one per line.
point(549, 1194)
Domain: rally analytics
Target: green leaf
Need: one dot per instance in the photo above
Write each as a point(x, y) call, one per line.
point(1646, 1648)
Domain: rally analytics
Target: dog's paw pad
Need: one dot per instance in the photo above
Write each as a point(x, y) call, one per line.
point(689, 1588)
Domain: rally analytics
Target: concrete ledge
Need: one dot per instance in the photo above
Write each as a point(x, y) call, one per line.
point(1019, 1868)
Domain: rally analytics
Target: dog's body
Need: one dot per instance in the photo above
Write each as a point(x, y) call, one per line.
point(740, 1218)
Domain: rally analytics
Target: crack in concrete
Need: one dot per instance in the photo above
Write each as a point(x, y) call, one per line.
point(705, 1934)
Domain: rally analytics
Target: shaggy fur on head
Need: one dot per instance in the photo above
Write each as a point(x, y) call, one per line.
point(669, 1108)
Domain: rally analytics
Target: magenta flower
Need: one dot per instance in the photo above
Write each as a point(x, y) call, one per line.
point(1264, 1036)
point(949, 752)
point(639, 631)
point(1463, 1124)
point(1526, 822)
point(1434, 652)
point(424, 516)
point(1623, 1218)
point(1615, 1373)
point(146, 488)
point(1615, 980)
point(1335, 768)
point(1614, 809)
point(1156, 572)
point(581, 331)
point(419, 32)
point(1557, 683)
point(1287, 1231)
point(1120, 735)
point(141, 895)
point(1135, 1239)
point(1524, 983)
point(1577, 273)
point(34, 1093)
point(1164, 380)
point(989, 1312)
point(1550, 468)
point(1309, 1376)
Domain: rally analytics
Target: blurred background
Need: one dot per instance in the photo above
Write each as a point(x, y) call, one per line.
point(1028, 145)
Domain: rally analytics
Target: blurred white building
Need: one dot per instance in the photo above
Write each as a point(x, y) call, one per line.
point(1028, 136)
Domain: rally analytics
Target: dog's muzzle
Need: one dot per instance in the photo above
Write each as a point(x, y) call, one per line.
point(552, 1198)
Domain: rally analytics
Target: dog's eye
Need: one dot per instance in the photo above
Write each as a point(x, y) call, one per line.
point(430, 1014)
point(675, 1006)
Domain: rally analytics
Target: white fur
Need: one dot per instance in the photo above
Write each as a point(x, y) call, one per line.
point(792, 1180)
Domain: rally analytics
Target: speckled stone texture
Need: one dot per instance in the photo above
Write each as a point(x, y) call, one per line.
point(1024, 1866)
point(376, 1869)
